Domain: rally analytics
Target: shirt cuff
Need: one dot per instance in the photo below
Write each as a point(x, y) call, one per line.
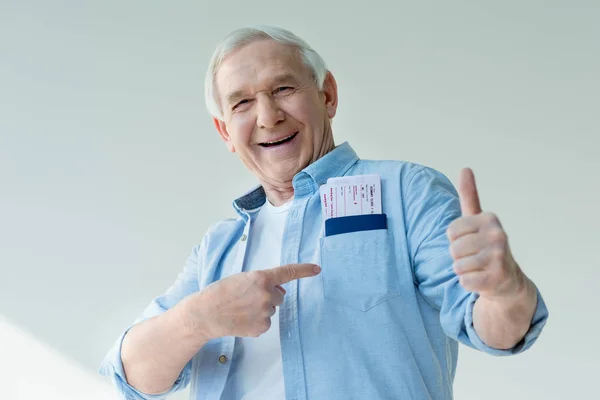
point(112, 367)
point(537, 324)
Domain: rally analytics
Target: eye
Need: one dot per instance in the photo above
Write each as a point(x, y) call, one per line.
point(283, 89)
point(240, 103)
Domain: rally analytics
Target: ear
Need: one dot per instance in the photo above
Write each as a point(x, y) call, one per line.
point(222, 129)
point(331, 94)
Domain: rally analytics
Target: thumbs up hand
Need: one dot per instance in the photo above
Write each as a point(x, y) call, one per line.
point(479, 247)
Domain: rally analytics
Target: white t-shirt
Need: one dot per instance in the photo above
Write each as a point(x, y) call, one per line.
point(256, 372)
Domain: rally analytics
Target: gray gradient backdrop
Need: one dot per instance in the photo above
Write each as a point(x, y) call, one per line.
point(111, 171)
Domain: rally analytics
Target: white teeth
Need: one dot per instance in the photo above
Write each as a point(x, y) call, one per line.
point(280, 140)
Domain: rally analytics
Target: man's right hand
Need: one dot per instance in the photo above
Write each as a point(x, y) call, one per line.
point(241, 304)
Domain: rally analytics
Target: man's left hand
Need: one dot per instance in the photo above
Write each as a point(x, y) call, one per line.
point(479, 247)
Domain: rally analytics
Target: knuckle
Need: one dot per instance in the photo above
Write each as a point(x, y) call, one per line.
point(451, 230)
point(255, 334)
point(291, 271)
point(480, 260)
point(465, 282)
point(453, 250)
point(457, 266)
point(497, 235)
point(484, 280)
point(259, 327)
point(277, 299)
point(253, 275)
point(473, 284)
point(496, 254)
point(259, 277)
point(490, 218)
point(265, 325)
point(265, 304)
point(500, 276)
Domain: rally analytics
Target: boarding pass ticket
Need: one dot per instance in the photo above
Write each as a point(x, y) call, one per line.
point(351, 195)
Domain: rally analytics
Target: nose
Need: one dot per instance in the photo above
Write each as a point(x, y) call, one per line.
point(269, 112)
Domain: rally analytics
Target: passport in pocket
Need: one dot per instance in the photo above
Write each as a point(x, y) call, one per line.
point(355, 223)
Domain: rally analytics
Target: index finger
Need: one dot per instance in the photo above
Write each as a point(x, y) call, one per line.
point(287, 273)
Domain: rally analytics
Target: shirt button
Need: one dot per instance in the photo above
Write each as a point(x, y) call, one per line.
point(222, 359)
point(244, 237)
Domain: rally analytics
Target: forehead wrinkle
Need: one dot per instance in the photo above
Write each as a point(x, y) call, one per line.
point(277, 65)
point(226, 74)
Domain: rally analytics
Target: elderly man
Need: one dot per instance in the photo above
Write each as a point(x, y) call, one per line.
point(297, 300)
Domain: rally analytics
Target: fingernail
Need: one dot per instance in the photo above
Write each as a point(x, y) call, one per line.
point(317, 269)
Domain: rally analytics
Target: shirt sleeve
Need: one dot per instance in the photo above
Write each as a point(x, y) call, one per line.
point(112, 366)
point(431, 203)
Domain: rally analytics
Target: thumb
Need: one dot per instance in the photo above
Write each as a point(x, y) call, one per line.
point(287, 273)
point(467, 193)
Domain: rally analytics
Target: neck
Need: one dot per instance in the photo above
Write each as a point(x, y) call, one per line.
point(279, 196)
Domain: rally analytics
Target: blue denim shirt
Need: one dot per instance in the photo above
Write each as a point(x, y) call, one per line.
point(381, 321)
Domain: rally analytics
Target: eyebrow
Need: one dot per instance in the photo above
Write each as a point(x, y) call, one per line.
point(238, 95)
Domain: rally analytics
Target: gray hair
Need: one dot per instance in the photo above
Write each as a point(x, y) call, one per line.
point(244, 36)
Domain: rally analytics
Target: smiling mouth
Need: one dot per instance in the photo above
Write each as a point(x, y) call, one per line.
point(278, 142)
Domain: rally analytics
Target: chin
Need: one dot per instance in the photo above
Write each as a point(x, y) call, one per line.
point(287, 173)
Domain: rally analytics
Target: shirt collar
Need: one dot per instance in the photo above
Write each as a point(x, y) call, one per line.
point(307, 181)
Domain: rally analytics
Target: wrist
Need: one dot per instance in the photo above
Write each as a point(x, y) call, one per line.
point(514, 286)
point(191, 320)
point(518, 301)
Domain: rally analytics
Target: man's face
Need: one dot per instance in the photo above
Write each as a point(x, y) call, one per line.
point(275, 117)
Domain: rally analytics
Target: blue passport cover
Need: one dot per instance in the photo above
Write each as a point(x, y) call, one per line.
point(354, 223)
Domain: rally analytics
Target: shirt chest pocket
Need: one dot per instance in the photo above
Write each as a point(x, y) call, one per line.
point(358, 266)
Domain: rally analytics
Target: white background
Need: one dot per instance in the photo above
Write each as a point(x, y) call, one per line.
point(111, 171)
